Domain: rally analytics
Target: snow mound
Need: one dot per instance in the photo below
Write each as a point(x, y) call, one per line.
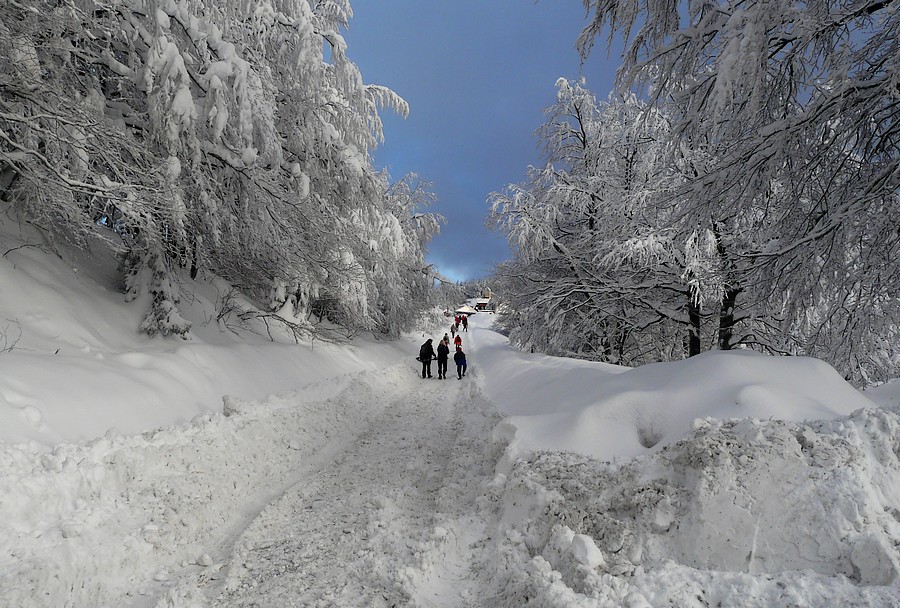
point(741, 512)
point(90, 523)
point(642, 410)
point(886, 395)
point(74, 364)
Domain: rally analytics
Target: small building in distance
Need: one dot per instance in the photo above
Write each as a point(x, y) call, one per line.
point(465, 309)
point(485, 304)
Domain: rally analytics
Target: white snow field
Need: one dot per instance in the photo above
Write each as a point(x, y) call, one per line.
point(230, 470)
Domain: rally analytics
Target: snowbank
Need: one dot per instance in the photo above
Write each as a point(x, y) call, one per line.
point(739, 513)
point(886, 395)
point(75, 365)
point(732, 479)
point(611, 412)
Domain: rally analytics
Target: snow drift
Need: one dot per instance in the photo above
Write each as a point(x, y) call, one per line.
point(732, 478)
point(742, 512)
point(609, 412)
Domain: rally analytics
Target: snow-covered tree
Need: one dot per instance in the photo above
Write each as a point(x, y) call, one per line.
point(792, 107)
point(217, 136)
point(599, 268)
point(399, 274)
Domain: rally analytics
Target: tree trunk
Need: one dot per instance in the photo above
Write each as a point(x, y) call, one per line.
point(726, 312)
point(8, 177)
point(621, 337)
point(693, 328)
point(726, 317)
point(194, 246)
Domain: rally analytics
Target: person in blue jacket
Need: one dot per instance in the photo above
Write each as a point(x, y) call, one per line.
point(460, 359)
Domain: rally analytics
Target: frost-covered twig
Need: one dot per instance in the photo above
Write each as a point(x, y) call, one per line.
point(8, 343)
point(8, 251)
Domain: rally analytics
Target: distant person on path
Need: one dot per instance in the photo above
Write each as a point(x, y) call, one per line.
point(460, 359)
point(443, 354)
point(457, 341)
point(465, 321)
point(426, 354)
point(453, 329)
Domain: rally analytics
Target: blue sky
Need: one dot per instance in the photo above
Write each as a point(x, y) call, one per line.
point(477, 75)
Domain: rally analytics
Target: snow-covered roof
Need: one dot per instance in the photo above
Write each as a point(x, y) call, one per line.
point(465, 309)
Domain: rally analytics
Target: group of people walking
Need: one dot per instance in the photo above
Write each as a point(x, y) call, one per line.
point(427, 353)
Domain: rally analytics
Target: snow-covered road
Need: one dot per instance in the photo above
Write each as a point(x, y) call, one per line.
point(380, 518)
point(367, 491)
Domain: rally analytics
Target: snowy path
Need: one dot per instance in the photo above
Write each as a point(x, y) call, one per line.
point(363, 490)
point(390, 516)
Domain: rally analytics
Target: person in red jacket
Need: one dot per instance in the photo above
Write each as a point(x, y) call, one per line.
point(457, 341)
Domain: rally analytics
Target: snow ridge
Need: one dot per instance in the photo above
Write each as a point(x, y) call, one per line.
point(95, 523)
point(741, 513)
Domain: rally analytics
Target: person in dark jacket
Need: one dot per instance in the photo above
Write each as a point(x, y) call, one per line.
point(426, 354)
point(443, 353)
point(465, 322)
point(460, 359)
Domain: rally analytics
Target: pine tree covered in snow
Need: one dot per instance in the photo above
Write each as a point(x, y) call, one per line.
point(220, 136)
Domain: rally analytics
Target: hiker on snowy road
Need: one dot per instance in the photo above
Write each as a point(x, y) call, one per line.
point(460, 359)
point(443, 354)
point(426, 354)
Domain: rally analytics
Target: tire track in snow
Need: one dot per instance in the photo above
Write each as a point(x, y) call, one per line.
point(392, 520)
point(456, 565)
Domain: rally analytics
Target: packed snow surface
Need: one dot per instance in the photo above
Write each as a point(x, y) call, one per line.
point(231, 470)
